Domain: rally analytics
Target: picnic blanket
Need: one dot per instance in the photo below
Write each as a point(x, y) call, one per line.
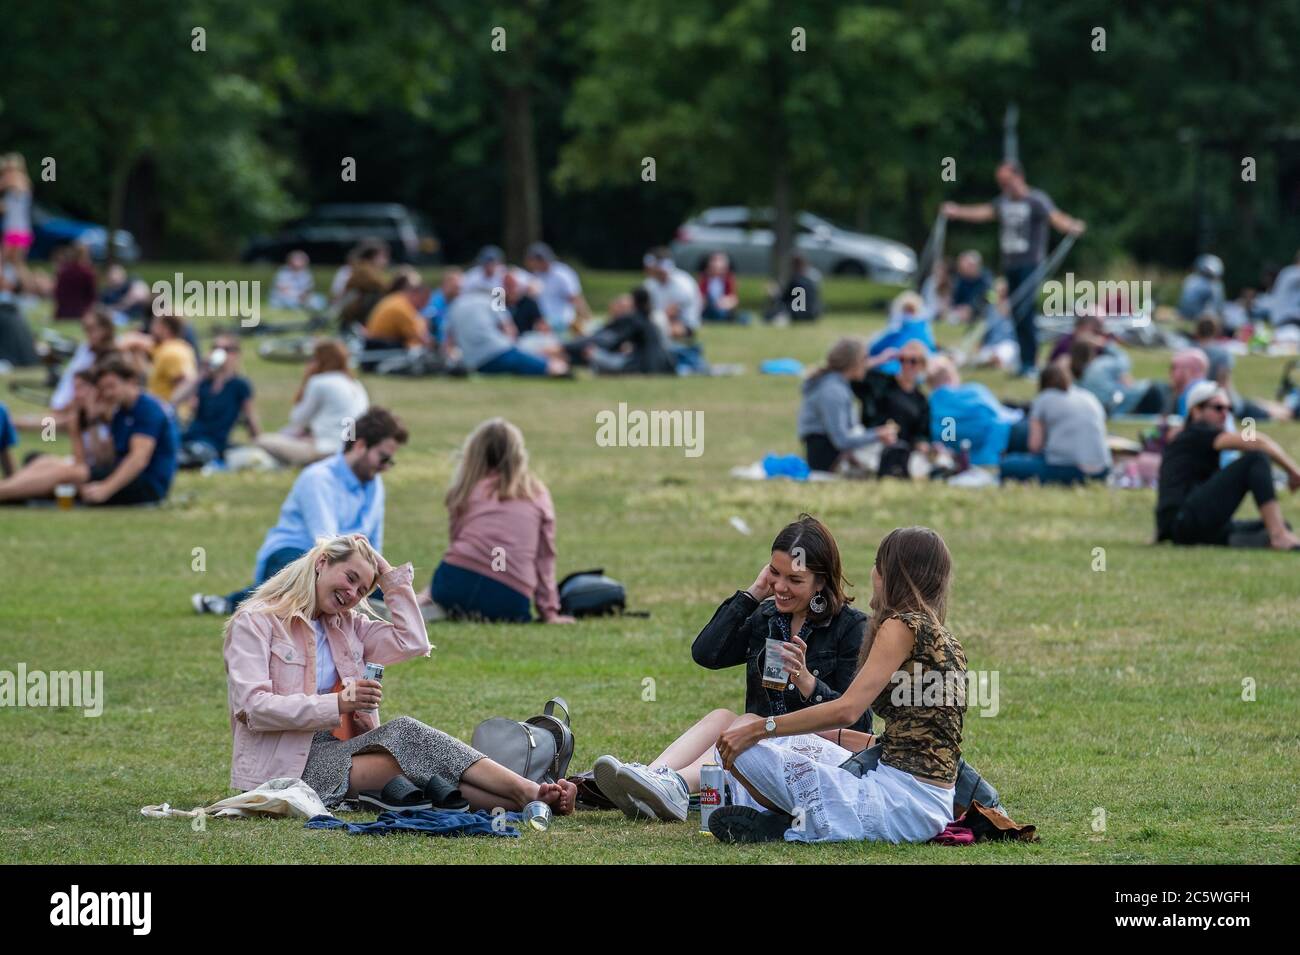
point(426, 822)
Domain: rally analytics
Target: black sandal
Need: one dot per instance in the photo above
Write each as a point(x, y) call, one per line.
point(733, 824)
point(443, 795)
point(399, 794)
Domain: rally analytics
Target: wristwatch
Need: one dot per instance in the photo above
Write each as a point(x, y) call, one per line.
point(770, 725)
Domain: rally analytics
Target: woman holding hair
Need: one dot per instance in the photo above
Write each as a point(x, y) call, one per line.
point(827, 424)
point(797, 599)
point(502, 551)
point(326, 403)
point(779, 765)
point(295, 653)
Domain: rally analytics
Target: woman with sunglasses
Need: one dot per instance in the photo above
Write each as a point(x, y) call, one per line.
point(897, 398)
point(1197, 498)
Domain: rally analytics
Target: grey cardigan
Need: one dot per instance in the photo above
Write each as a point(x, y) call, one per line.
point(827, 408)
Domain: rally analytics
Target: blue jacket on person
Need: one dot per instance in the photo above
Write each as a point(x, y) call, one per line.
point(970, 412)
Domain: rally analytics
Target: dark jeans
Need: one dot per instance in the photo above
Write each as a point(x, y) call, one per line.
point(1018, 437)
point(1025, 315)
point(276, 562)
point(1206, 514)
point(464, 593)
point(819, 452)
point(1034, 467)
point(514, 362)
point(711, 313)
point(139, 491)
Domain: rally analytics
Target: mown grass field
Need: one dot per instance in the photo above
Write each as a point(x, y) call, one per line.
point(1120, 690)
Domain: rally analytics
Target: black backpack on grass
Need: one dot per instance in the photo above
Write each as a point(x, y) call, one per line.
point(589, 593)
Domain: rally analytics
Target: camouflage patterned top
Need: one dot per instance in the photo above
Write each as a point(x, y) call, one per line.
point(923, 704)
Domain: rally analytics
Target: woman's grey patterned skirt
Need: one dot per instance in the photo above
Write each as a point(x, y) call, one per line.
point(421, 751)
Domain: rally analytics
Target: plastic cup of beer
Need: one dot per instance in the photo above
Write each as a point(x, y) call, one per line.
point(775, 675)
point(66, 496)
point(538, 815)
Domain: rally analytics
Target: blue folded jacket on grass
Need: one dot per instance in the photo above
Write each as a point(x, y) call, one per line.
point(781, 366)
point(429, 822)
point(787, 466)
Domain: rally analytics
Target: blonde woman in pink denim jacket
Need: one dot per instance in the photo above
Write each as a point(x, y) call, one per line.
point(295, 656)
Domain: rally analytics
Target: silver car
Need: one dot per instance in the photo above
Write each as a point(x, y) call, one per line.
point(746, 236)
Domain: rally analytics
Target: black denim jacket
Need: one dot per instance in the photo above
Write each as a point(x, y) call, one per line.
point(737, 634)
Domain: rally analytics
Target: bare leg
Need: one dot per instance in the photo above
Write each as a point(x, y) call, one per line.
point(374, 771)
point(371, 771)
point(754, 791)
point(1278, 535)
point(41, 477)
point(289, 449)
point(487, 784)
point(688, 749)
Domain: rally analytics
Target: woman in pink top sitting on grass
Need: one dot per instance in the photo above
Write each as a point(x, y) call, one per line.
point(502, 552)
point(301, 705)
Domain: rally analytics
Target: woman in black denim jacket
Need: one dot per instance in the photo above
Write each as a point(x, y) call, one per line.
point(798, 600)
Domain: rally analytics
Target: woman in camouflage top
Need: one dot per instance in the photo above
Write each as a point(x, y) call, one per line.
point(913, 674)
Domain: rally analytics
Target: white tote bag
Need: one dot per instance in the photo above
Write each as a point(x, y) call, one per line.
point(275, 797)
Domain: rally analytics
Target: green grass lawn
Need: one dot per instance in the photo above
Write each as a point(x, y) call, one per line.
point(1121, 690)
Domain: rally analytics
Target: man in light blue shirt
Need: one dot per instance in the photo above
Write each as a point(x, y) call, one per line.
point(343, 494)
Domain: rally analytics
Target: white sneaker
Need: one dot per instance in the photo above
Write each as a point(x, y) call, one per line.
point(606, 772)
point(660, 790)
point(210, 603)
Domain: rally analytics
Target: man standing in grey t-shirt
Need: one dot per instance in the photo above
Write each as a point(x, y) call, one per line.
point(1023, 215)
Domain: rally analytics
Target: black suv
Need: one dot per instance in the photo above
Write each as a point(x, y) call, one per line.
point(328, 232)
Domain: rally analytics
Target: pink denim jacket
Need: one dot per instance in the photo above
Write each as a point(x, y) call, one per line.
point(271, 670)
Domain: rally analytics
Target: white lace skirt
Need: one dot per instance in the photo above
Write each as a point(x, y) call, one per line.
point(801, 775)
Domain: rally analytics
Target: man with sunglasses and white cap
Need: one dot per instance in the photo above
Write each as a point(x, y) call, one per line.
point(341, 495)
point(1197, 498)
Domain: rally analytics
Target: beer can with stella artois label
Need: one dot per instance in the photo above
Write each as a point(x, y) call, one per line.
point(712, 786)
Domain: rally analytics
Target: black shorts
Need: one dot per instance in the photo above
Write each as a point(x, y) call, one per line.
point(139, 491)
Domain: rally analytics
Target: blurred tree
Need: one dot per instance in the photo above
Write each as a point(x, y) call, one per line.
point(108, 92)
point(774, 104)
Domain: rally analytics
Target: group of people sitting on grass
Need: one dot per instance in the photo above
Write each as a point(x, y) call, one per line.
point(497, 318)
point(864, 413)
point(801, 764)
point(201, 402)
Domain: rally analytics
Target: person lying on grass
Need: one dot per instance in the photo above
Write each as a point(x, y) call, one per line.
point(781, 765)
point(798, 600)
point(296, 653)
